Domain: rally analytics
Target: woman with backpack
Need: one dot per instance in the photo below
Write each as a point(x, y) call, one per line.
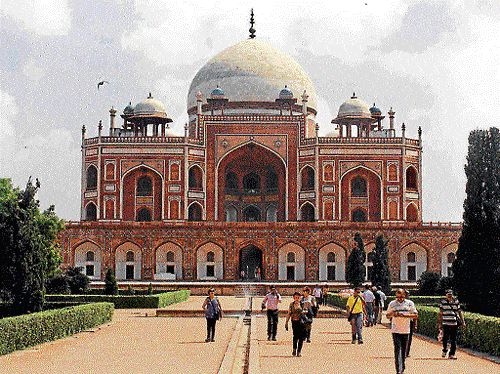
point(213, 312)
point(300, 315)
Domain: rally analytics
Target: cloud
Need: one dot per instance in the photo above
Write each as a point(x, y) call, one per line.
point(33, 71)
point(8, 113)
point(424, 25)
point(44, 17)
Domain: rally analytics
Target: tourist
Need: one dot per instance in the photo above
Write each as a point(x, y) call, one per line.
point(401, 312)
point(213, 312)
point(299, 315)
point(355, 308)
point(383, 298)
point(309, 302)
point(272, 300)
point(413, 328)
point(318, 294)
point(376, 305)
point(369, 304)
point(450, 318)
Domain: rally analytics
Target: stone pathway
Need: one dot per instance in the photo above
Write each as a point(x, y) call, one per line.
point(134, 343)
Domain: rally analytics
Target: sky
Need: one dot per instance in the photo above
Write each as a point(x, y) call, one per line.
point(434, 62)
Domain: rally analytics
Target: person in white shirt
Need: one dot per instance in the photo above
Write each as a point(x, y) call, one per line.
point(401, 312)
point(369, 298)
point(318, 294)
point(272, 300)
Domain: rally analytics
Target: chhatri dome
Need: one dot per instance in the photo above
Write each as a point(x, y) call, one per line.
point(251, 71)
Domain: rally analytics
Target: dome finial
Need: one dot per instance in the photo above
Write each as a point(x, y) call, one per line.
point(252, 30)
point(354, 95)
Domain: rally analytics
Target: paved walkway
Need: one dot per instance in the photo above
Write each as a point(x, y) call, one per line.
point(134, 343)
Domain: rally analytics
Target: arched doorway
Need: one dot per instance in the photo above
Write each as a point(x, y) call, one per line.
point(251, 263)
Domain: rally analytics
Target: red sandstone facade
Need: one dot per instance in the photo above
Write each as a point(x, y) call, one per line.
point(251, 190)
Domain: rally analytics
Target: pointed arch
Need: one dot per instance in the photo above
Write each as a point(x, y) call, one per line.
point(210, 269)
point(291, 270)
point(307, 178)
point(412, 213)
point(307, 212)
point(411, 271)
point(91, 177)
point(124, 268)
point(332, 262)
point(168, 261)
point(129, 202)
point(195, 212)
point(195, 177)
point(91, 212)
point(411, 178)
point(91, 264)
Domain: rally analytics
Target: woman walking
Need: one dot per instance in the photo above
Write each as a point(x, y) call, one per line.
point(299, 314)
point(309, 302)
point(213, 312)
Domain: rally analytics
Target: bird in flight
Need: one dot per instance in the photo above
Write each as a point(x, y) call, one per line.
point(101, 83)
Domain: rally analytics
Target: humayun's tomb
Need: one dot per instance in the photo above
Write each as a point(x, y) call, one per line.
point(251, 188)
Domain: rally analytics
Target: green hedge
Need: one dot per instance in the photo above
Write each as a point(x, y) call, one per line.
point(30, 329)
point(127, 302)
point(334, 299)
point(419, 300)
point(482, 332)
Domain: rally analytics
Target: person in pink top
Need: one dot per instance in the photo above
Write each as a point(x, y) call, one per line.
point(272, 300)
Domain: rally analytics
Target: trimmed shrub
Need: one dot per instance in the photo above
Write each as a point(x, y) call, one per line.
point(428, 283)
point(58, 284)
point(482, 332)
point(127, 302)
point(27, 330)
point(78, 282)
point(444, 284)
point(110, 284)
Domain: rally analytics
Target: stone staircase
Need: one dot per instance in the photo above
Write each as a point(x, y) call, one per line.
point(250, 289)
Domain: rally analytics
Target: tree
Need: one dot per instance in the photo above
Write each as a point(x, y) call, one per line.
point(381, 276)
point(29, 252)
point(78, 282)
point(355, 272)
point(428, 283)
point(110, 284)
point(476, 269)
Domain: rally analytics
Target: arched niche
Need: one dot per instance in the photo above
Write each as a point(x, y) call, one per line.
point(332, 261)
point(356, 195)
point(206, 268)
point(168, 261)
point(128, 267)
point(412, 270)
point(88, 256)
point(448, 255)
point(291, 270)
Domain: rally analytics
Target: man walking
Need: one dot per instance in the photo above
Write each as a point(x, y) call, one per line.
point(382, 304)
point(355, 308)
point(370, 301)
point(450, 317)
point(272, 299)
point(401, 311)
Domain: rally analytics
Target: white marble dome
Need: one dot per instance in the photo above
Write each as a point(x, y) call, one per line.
point(251, 71)
point(354, 108)
point(149, 107)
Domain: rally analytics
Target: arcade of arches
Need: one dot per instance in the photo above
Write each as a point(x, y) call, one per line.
point(135, 259)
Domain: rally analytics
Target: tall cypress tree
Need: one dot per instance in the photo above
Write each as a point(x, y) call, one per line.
point(381, 274)
point(355, 273)
point(476, 270)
